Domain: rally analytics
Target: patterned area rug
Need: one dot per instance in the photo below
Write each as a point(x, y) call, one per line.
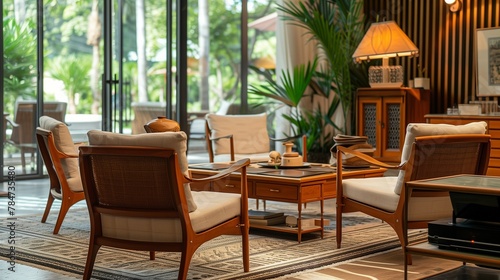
point(272, 254)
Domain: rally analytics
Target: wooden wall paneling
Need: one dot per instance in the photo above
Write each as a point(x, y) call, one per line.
point(446, 42)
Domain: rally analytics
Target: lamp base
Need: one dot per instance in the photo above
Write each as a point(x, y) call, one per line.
point(386, 85)
point(385, 76)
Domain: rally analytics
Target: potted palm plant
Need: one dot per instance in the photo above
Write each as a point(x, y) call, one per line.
point(337, 26)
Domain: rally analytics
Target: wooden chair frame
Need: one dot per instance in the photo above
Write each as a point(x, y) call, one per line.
point(176, 208)
point(209, 140)
point(59, 188)
point(424, 163)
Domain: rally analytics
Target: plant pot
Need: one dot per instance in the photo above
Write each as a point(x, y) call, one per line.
point(162, 124)
point(424, 83)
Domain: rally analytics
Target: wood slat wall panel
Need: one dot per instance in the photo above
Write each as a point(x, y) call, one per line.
point(445, 40)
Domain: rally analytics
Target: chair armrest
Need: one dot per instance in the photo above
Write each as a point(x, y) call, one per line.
point(11, 122)
point(231, 143)
point(366, 158)
point(224, 173)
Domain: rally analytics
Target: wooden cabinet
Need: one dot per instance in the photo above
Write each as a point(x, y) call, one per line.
point(493, 129)
point(384, 113)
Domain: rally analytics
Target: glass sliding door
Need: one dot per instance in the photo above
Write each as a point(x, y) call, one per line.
point(19, 81)
point(135, 59)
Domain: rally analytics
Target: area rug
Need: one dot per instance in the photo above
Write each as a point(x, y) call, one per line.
point(387, 265)
point(272, 254)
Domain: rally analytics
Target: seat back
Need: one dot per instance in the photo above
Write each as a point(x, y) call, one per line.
point(446, 155)
point(25, 117)
point(144, 112)
point(143, 183)
point(169, 140)
point(414, 130)
point(249, 132)
point(61, 140)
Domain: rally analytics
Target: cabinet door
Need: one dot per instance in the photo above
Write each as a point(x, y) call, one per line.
point(392, 128)
point(370, 121)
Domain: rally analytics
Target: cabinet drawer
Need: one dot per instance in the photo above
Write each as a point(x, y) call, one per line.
point(495, 162)
point(311, 193)
point(494, 124)
point(227, 185)
point(495, 143)
point(495, 153)
point(493, 171)
point(330, 189)
point(276, 191)
point(495, 133)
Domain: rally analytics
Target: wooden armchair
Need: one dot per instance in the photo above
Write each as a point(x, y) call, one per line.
point(149, 186)
point(232, 137)
point(24, 123)
point(429, 151)
point(60, 156)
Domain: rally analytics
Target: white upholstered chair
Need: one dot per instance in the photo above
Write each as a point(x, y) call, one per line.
point(233, 137)
point(138, 196)
point(430, 150)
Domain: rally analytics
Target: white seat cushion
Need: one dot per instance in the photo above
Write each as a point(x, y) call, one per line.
point(213, 209)
point(379, 192)
point(425, 129)
point(249, 133)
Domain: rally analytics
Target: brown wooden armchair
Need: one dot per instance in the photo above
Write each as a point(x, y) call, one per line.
point(429, 151)
point(60, 156)
point(24, 123)
point(147, 187)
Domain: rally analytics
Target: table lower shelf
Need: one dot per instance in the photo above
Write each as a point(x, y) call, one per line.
point(287, 229)
point(428, 249)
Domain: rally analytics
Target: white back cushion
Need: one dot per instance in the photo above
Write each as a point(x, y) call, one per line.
point(64, 143)
point(249, 133)
point(171, 140)
point(425, 129)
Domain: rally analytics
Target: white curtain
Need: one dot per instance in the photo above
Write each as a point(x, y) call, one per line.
point(293, 47)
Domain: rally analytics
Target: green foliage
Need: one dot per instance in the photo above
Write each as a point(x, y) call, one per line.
point(338, 27)
point(19, 61)
point(73, 72)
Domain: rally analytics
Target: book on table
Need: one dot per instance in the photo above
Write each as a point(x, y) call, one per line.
point(280, 220)
point(263, 215)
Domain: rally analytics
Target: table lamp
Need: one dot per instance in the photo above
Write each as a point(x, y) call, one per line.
point(384, 40)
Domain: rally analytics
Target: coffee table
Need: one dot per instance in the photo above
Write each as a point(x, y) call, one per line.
point(314, 182)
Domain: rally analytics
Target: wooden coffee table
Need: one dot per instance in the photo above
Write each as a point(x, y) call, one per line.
point(298, 185)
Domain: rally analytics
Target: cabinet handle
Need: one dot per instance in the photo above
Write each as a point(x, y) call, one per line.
point(230, 186)
point(274, 190)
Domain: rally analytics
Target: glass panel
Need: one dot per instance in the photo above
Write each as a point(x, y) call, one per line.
point(370, 123)
point(72, 67)
point(142, 95)
point(20, 87)
point(393, 125)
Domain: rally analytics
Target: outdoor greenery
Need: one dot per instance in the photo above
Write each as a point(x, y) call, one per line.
point(70, 30)
point(19, 61)
point(337, 27)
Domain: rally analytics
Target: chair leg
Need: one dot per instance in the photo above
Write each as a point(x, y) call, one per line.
point(245, 239)
point(152, 255)
point(62, 213)
point(338, 226)
point(89, 266)
point(186, 256)
point(50, 200)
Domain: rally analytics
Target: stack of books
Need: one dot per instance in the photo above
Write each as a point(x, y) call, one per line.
point(264, 218)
